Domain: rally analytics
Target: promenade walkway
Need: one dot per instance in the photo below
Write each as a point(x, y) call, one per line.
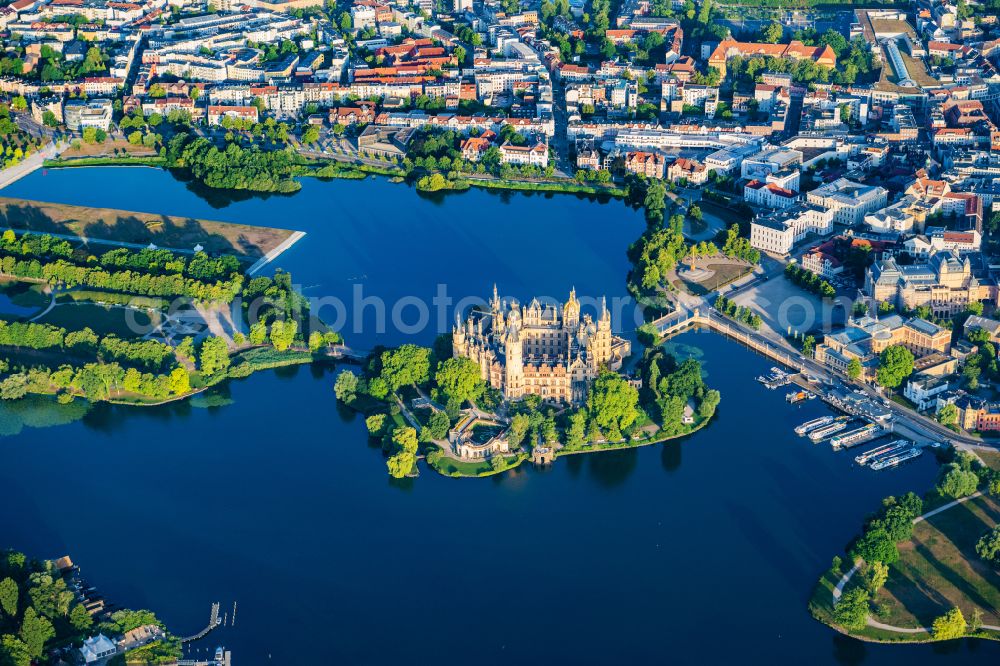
point(275, 252)
point(28, 165)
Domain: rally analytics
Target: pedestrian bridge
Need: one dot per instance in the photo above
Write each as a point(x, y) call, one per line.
point(682, 320)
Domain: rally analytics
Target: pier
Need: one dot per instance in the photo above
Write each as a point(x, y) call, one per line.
point(213, 622)
point(275, 252)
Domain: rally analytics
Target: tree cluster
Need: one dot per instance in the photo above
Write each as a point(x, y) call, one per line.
point(235, 167)
point(669, 387)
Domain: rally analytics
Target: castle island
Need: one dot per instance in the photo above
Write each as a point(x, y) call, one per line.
point(554, 353)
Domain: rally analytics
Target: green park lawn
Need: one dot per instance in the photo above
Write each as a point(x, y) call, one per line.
point(938, 569)
point(723, 274)
point(991, 458)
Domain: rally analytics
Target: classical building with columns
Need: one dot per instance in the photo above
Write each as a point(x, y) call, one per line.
point(552, 352)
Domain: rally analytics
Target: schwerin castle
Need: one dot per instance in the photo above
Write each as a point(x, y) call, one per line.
point(535, 350)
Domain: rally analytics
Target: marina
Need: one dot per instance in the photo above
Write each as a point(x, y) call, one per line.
point(896, 459)
point(775, 378)
point(840, 424)
point(855, 437)
point(796, 397)
point(809, 426)
point(882, 451)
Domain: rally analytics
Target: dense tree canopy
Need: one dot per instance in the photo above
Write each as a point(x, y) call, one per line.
point(851, 611)
point(407, 365)
point(460, 379)
point(949, 626)
point(613, 403)
point(957, 482)
point(895, 365)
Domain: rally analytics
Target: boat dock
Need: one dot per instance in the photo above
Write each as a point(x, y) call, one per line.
point(796, 397)
point(777, 377)
point(213, 621)
point(823, 433)
point(881, 451)
point(896, 459)
point(809, 426)
point(847, 440)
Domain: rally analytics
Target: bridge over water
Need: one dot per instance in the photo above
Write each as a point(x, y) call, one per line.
point(682, 320)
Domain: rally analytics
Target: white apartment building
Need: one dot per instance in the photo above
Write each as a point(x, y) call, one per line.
point(79, 114)
point(768, 161)
point(362, 17)
point(850, 201)
point(777, 232)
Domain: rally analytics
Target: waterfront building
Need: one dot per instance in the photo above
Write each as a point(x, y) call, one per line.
point(650, 165)
point(80, 114)
point(865, 338)
point(536, 155)
point(476, 437)
point(692, 171)
point(97, 648)
point(922, 390)
point(974, 413)
point(551, 352)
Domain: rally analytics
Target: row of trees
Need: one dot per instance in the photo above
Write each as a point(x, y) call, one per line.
point(809, 281)
point(126, 281)
point(94, 381)
point(740, 313)
point(200, 266)
point(151, 354)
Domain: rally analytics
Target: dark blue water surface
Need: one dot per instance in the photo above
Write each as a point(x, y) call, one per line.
point(693, 552)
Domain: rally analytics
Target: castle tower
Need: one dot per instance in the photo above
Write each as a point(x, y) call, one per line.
point(458, 346)
point(495, 301)
point(600, 341)
point(514, 367)
point(571, 312)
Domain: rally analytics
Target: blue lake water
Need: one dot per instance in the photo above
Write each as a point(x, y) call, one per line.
point(693, 552)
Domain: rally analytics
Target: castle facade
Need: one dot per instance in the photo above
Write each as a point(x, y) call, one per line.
point(551, 352)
